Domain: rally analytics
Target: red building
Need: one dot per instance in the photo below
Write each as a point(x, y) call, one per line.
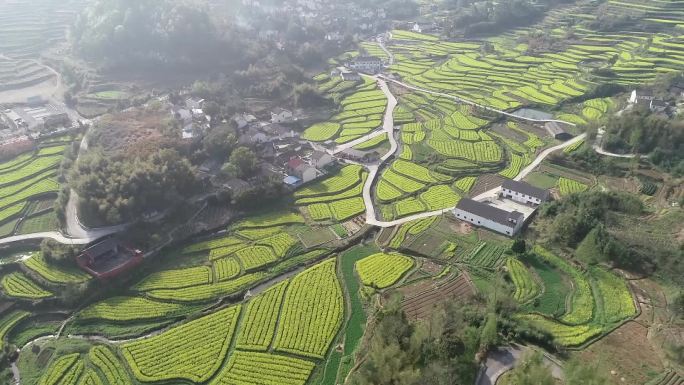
point(108, 258)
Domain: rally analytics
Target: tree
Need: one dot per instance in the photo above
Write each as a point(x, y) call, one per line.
point(519, 246)
point(489, 335)
point(245, 160)
point(532, 370)
point(219, 142)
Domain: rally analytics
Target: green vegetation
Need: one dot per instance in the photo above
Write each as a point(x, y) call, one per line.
point(312, 312)
point(52, 273)
point(192, 351)
point(132, 308)
point(19, 285)
point(526, 286)
point(260, 319)
point(383, 270)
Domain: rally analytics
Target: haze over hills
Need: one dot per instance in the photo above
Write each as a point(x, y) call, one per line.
point(307, 192)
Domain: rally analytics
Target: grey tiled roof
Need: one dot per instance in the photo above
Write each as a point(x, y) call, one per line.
point(490, 212)
point(526, 189)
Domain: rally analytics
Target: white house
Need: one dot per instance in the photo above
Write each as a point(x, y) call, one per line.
point(281, 115)
point(490, 217)
point(523, 192)
point(194, 103)
point(637, 96)
point(306, 173)
point(370, 64)
point(350, 76)
point(320, 159)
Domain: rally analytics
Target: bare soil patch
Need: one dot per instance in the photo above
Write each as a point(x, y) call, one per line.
point(628, 352)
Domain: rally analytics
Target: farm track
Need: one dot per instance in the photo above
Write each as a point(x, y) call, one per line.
point(388, 126)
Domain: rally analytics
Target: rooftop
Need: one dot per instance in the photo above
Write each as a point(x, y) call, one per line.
point(490, 212)
point(525, 188)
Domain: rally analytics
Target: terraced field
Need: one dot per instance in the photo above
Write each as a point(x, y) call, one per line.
point(25, 181)
point(336, 198)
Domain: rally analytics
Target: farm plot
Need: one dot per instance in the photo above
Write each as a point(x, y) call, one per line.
point(312, 312)
point(260, 319)
point(264, 368)
point(361, 112)
point(485, 255)
point(568, 186)
point(526, 287)
point(383, 270)
point(193, 351)
point(108, 364)
point(420, 300)
point(52, 273)
point(346, 178)
point(176, 279)
point(18, 285)
point(64, 370)
point(132, 308)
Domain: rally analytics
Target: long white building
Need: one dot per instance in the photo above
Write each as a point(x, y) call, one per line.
point(523, 192)
point(493, 218)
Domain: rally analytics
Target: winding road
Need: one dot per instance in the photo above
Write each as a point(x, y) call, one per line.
point(388, 127)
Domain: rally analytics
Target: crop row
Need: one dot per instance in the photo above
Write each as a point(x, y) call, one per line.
point(131, 308)
point(273, 218)
point(526, 287)
point(250, 368)
point(192, 351)
point(280, 243)
point(312, 312)
point(485, 255)
point(175, 279)
point(439, 197)
point(343, 180)
point(56, 274)
point(570, 186)
point(62, 369)
point(514, 167)
point(109, 365)
point(487, 151)
point(258, 233)
point(383, 270)
point(19, 285)
point(260, 319)
point(253, 257)
point(208, 291)
point(349, 193)
point(466, 183)
point(226, 268)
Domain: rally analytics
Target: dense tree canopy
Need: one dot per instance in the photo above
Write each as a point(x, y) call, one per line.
point(645, 133)
point(115, 189)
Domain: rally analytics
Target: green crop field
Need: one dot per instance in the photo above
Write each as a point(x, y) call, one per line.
point(261, 318)
point(383, 270)
point(18, 285)
point(52, 273)
point(132, 308)
point(569, 186)
point(526, 287)
point(312, 312)
point(193, 351)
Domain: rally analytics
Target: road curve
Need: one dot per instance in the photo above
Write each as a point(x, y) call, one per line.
point(54, 235)
point(388, 126)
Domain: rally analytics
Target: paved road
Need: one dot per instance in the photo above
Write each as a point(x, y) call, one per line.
point(55, 235)
point(598, 146)
point(388, 126)
point(504, 359)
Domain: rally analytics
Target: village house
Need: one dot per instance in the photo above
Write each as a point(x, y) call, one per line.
point(281, 115)
point(350, 76)
point(243, 120)
point(237, 186)
point(194, 103)
point(558, 131)
point(305, 172)
point(490, 217)
point(320, 159)
point(523, 192)
point(369, 64)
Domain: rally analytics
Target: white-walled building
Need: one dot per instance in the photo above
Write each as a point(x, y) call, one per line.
point(369, 64)
point(320, 159)
point(281, 115)
point(524, 192)
point(490, 217)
